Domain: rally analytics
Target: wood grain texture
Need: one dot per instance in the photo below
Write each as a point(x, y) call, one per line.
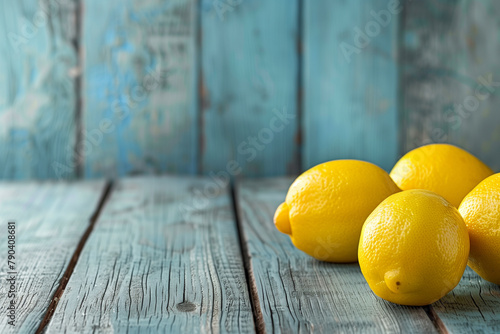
point(249, 78)
point(140, 87)
point(472, 307)
point(448, 50)
point(163, 258)
point(350, 88)
point(37, 88)
point(297, 293)
point(50, 220)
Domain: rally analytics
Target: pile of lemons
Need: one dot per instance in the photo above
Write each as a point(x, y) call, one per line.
point(411, 241)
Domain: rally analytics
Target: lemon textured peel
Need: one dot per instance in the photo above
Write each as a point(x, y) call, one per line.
point(442, 168)
point(481, 212)
point(326, 206)
point(413, 248)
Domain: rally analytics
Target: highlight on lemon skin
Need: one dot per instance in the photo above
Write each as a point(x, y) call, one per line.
point(481, 212)
point(413, 248)
point(442, 168)
point(326, 206)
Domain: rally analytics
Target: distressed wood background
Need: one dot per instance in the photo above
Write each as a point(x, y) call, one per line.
point(92, 88)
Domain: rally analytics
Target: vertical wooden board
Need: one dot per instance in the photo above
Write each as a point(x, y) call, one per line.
point(163, 258)
point(430, 54)
point(449, 49)
point(139, 87)
point(294, 293)
point(37, 89)
point(350, 87)
point(50, 220)
point(249, 86)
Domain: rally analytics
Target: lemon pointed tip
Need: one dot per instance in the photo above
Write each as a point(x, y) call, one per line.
point(281, 219)
point(393, 281)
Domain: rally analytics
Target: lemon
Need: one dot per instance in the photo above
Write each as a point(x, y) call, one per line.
point(327, 205)
point(413, 248)
point(444, 169)
point(481, 212)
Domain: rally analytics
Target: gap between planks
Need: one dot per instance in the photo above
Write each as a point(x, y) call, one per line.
point(78, 90)
point(74, 259)
point(258, 318)
point(436, 321)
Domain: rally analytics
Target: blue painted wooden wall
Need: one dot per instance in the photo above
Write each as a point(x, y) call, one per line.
point(92, 88)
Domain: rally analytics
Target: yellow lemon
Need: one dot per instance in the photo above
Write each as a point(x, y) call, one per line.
point(413, 248)
point(444, 169)
point(481, 212)
point(327, 205)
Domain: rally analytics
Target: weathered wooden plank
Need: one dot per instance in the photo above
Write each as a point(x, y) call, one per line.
point(350, 82)
point(449, 51)
point(472, 307)
point(140, 87)
point(37, 89)
point(249, 86)
point(163, 258)
point(297, 293)
point(50, 220)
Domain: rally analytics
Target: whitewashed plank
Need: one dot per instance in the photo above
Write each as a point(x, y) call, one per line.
point(472, 307)
point(450, 76)
point(50, 221)
point(38, 66)
point(350, 82)
point(250, 87)
point(163, 258)
point(139, 92)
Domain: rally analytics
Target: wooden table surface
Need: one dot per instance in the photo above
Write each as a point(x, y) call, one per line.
point(192, 255)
